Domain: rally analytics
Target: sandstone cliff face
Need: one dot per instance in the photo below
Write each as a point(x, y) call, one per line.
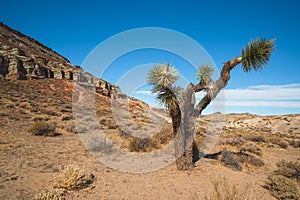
point(22, 57)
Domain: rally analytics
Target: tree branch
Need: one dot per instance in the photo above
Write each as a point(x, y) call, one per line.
point(216, 87)
point(199, 87)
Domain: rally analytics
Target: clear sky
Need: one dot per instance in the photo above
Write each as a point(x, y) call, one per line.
point(74, 28)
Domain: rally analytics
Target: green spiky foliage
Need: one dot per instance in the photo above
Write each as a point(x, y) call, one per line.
point(256, 54)
point(204, 73)
point(162, 75)
point(169, 96)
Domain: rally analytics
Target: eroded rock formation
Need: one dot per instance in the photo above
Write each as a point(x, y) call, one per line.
point(22, 57)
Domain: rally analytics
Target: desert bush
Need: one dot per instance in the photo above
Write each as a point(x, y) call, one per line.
point(257, 138)
point(42, 128)
point(280, 142)
point(283, 144)
point(228, 159)
point(66, 117)
point(111, 124)
point(282, 187)
point(10, 105)
point(295, 143)
point(289, 169)
point(249, 159)
point(236, 141)
point(69, 126)
point(72, 178)
point(235, 160)
point(142, 144)
point(103, 146)
point(251, 148)
point(225, 191)
point(165, 135)
point(50, 112)
point(55, 194)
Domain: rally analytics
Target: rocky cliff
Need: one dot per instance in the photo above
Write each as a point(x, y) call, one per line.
point(22, 57)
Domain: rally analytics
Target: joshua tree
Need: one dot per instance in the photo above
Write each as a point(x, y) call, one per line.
point(181, 102)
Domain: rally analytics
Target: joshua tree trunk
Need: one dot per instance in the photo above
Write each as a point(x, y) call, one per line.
point(183, 131)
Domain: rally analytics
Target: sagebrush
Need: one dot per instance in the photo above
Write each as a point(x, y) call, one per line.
point(42, 128)
point(55, 194)
point(282, 187)
point(72, 178)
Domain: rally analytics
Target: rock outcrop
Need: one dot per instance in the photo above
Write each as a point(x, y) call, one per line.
point(22, 57)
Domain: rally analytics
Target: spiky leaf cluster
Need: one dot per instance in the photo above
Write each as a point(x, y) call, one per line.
point(162, 75)
point(169, 96)
point(204, 73)
point(256, 54)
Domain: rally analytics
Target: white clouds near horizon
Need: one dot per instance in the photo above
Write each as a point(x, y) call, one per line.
point(283, 96)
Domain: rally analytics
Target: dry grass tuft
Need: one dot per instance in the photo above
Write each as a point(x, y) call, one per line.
point(56, 194)
point(257, 138)
point(111, 124)
point(281, 142)
point(142, 144)
point(42, 128)
point(235, 141)
point(295, 143)
point(225, 191)
point(289, 169)
point(282, 187)
point(235, 160)
point(229, 160)
point(137, 144)
point(72, 178)
point(251, 148)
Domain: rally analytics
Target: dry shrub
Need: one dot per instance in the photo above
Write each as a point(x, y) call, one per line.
point(280, 142)
point(257, 138)
point(282, 187)
point(295, 143)
point(226, 191)
point(235, 160)
point(97, 145)
point(42, 128)
point(111, 124)
point(229, 160)
point(137, 144)
point(165, 135)
point(50, 112)
point(289, 169)
point(236, 141)
point(251, 148)
point(72, 178)
point(142, 144)
point(249, 159)
point(55, 194)
point(283, 144)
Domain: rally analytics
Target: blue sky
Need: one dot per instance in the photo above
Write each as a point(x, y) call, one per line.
point(75, 28)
